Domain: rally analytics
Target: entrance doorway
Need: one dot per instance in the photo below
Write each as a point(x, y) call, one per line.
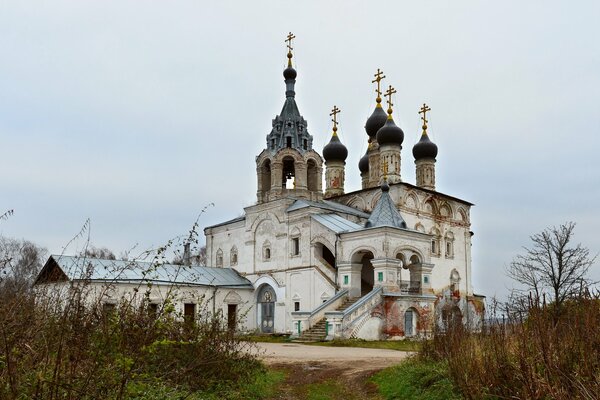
point(367, 274)
point(410, 322)
point(231, 317)
point(266, 301)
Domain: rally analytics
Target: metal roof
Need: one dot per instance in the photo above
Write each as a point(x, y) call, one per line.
point(336, 223)
point(385, 212)
point(327, 205)
point(78, 268)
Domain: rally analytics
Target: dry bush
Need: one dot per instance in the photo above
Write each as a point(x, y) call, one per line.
point(534, 357)
point(58, 346)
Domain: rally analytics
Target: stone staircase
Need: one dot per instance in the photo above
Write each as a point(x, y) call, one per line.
point(318, 332)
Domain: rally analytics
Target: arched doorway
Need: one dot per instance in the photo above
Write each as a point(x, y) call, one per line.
point(266, 302)
point(410, 322)
point(451, 317)
point(367, 274)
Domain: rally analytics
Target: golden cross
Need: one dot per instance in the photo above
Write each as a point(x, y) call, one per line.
point(334, 113)
point(389, 94)
point(378, 77)
point(289, 39)
point(423, 111)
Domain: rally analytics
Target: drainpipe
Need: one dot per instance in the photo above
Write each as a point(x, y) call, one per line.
point(337, 237)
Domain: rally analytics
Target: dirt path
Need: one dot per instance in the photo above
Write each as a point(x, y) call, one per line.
point(327, 372)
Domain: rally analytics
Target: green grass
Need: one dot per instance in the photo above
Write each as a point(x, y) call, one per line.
point(267, 338)
point(262, 385)
point(401, 345)
point(416, 379)
point(327, 390)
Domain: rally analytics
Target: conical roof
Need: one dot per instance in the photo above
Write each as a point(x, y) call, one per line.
point(385, 212)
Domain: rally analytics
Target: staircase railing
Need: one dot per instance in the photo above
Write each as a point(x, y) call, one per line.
point(341, 322)
point(304, 320)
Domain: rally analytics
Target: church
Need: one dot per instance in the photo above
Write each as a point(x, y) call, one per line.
point(389, 261)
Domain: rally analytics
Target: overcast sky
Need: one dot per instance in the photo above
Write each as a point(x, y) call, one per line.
point(136, 114)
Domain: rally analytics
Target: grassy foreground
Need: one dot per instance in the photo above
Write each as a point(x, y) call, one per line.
point(416, 379)
point(263, 384)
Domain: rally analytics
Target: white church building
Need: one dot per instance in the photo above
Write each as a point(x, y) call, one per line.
point(389, 261)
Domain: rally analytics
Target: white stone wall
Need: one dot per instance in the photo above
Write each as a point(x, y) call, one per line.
point(206, 298)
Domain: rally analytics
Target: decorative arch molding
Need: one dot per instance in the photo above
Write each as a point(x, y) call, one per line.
point(313, 155)
point(264, 155)
point(266, 217)
point(268, 280)
point(419, 227)
point(363, 249)
point(408, 252)
point(462, 215)
point(288, 152)
point(375, 199)
point(430, 201)
point(295, 231)
point(446, 210)
point(321, 239)
point(232, 298)
point(435, 232)
point(358, 203)
point(411, 201)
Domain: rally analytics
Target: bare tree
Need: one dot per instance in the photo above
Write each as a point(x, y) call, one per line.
point(553, 266)
point(20, 262)
point(98, 252)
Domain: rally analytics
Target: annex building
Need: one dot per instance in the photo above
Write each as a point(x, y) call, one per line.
point(388, 261)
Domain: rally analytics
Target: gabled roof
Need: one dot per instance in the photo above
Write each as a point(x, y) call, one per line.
point(336, 223)
point(84, 268)
point(327, 205)
point(385, 212)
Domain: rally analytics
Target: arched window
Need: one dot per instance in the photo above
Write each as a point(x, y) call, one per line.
point(266, 251)
point(449, 240)
point(435, 242)
point(233, 258)
point(289, 173)
point(265, 176)
point(454, 282)
point(219, 261)
point(312, 176)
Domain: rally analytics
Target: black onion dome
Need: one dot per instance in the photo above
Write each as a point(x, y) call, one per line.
point(375, 122)
point(289, 73)
point(390, 133)
point(424, 148)
point(363, 164)
point(335, 150)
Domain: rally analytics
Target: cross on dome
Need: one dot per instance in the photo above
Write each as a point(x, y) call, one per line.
point(388, 94)
point(423, 111)
point(378, 77)
point(334, 112)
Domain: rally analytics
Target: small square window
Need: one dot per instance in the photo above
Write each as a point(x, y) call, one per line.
point(380, 276)
point(346, 279)
point(425, 279)
point(296, 306)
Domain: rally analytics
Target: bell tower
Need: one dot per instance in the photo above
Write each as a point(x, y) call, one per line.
point(289, 166)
